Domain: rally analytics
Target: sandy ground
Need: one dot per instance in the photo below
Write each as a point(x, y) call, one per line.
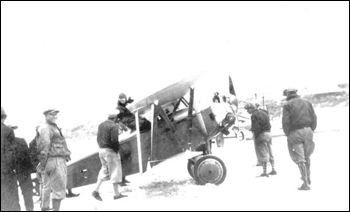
point(168, 186)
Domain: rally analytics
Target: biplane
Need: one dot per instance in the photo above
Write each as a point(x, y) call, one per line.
point(179, 122)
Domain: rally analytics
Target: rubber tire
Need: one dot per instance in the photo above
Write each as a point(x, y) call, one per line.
point(242, 138)
point(190, 167)
point(201, 167)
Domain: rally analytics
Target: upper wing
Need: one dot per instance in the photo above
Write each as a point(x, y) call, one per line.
point(166, 95)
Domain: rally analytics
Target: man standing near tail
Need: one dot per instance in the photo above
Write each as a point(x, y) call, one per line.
point(299, 122)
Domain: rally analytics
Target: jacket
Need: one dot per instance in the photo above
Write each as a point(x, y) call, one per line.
point(260, 122)
point(126, 117)
point(297, 114)
point(107, 135)
point(23, 162)
point(7, 149)
point(51, 143)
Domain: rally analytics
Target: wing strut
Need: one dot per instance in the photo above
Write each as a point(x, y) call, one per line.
point(154, 124)
point(184, 101)
point(162, 114)
point(190, 117)
point(139, 152)
point(175, 109)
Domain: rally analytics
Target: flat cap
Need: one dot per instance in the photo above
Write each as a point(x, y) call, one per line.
point(113, 114)
point(12, 127)
point(249, 105)
point(50, 111)
point(288, 91)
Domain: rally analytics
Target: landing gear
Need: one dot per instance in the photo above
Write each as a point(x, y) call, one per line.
point(240, 136)
point(220, 140)
point(238, 133)
point(190, 166)
point(207, 169)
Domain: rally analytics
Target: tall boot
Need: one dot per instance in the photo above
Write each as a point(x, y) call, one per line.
point(56, 204)
point(303, 172)
point(308, 164)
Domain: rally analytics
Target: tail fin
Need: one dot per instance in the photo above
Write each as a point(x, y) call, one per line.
point(232, 89)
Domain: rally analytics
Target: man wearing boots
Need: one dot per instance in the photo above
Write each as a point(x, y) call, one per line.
point(261, 128)
point(299, 122)
point(54, 154)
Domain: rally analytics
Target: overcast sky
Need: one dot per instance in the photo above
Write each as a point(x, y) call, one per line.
point(78, 56)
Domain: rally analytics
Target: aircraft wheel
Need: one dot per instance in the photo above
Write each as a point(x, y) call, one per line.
point(36, 187)
point(240, 136)
point(209, 169)
point(220, 140)
point(190, 167)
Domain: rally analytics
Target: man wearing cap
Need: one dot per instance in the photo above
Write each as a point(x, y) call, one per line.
point(125, 116)
point(261, 128)
point(54, 154)
point(299, 121)
point(257, 106)
point(9, 188)
point(108, 142)
point(23, 169)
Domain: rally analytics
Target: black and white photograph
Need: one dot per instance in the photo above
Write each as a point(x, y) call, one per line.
point(174, 106)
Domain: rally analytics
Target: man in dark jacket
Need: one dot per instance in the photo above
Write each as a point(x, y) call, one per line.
point(299, 122)
point(261, 128)
point(23, 169)
point(125, 116)
point(257, 106)
point(128, 118)
point(108, 142)
point(9, 188)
